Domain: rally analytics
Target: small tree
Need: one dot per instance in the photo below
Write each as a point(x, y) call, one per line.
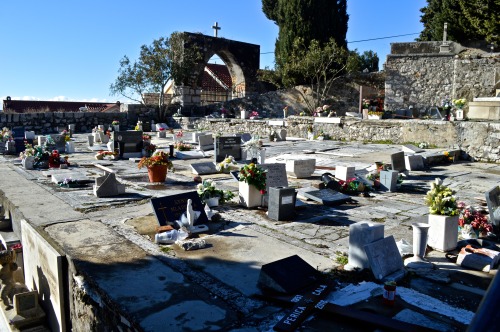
point(315, 66)
point(158, 64)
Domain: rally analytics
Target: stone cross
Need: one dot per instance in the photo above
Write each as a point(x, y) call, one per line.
point(444, 32)
point(216, 28)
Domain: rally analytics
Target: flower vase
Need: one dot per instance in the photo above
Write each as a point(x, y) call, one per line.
point(28, 162)
point(157, 173)
point(459, 114)
point(249, 195)
point(212, 201)
point(443, 232)
point(420, 234)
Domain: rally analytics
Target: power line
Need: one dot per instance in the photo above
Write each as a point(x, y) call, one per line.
point(363, 40)
point(359, 41)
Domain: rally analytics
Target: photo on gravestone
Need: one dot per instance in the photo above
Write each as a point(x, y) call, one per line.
point(227, 146)
point(168, 209)
point(127, 141)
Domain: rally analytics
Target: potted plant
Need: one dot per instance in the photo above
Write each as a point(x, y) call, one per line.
point(158, 165)
point(225, 165)
point(149, 149)
point(211, 195)
point(252, 184)
point(375, 115)
point(443, 217)
point(27, 156)
point(116, 125)
point(472, 222)
point(181, 146)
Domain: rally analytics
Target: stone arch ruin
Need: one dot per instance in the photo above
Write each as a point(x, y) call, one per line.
point(241, 59)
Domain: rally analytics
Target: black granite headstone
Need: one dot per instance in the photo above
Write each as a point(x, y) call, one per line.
point(398, 161)
point(288, 275)
point(227, 146)
point(327, 197)
point(18, 135)
point(281, 203)
point(168, 209)
point(127, 141)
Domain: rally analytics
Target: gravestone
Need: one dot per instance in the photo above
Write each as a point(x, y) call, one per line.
point(18, 134)
point(245, 137)
point(281, 203)
point(29, 135)
point(203, 168)
point(227, 146)
point(168, 209)
point(58, 176)
point(389, 180)
point(205, 142)
point(195, 135)
point(28, 312)
point(276, 175)
point(288, 275)
point(360, 234)
point(300, 168)
point(128, 143)
point(398, 161)
point(108, 186)
point(344, 172)
point(41, 140)
point(493, 202)
point(414, 162)
point(434, 113)
point(327, 196)
point(60, 141)
point(103, 137)
point(301, 191)
point(410, 148)
point(385, 259)
point(281, 134)
point(161, 125)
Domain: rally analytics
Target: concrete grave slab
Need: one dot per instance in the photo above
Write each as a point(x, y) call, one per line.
point(43, 268)
point(301, 192)
point(58, 176)
point(300, 168)
point(385, 259)
point(187, 155)
point(410, 148)
point(203, 168)
point(414, 162)
point(327, 196)
point(326, 120)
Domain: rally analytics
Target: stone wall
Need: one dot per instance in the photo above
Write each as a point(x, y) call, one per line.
point(418, 75)
point(479, 140)
point(47, 123)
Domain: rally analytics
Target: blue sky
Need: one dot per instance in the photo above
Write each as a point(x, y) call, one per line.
point(70, 50)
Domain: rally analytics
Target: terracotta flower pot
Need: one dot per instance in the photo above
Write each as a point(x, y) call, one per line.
point(157, 173)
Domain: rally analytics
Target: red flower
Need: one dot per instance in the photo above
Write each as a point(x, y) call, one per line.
point(262, 191)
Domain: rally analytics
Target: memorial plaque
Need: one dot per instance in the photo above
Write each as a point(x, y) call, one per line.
point(128, 142)
point(281, 203)
point(203, 168)
point(398, 161)
point(168, 209)
point(327, 196)
point(276, 175)
point(227, 146)
point(384, 257)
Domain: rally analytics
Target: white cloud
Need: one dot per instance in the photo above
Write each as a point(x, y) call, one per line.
point(59, 98)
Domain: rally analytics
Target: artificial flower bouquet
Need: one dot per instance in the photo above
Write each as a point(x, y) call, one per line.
point(441, 200)
point(474, 218)
point(159, 157)
point(181, 146)
point(225, 165)
point(255, 176)
point(459, 103)
point(208, 189)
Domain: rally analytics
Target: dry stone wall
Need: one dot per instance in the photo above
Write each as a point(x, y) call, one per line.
point(418, 75)
point(479, 140)
point(46, 123)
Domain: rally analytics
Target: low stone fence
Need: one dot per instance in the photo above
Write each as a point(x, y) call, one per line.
point(47, 123)
point(479, 140)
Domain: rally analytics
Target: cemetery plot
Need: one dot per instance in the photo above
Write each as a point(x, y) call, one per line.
point(203, 168)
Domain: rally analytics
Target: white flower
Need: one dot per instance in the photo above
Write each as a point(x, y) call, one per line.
point(438, 181)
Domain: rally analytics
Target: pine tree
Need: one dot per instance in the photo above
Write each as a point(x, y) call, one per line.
point(468, 20)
